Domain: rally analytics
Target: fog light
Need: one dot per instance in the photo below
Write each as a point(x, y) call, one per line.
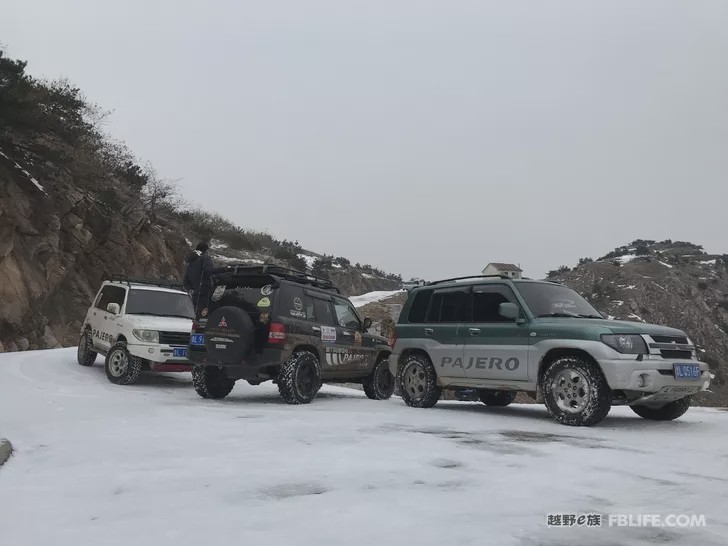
point(150, 350)
point(642, 380)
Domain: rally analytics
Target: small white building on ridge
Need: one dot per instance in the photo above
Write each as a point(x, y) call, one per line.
point(509, 270)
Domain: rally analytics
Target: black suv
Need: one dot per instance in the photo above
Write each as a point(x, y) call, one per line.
point(270, 323)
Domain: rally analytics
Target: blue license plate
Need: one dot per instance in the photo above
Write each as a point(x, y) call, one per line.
point(197, 339)
point(686, 371)
point(180, 352)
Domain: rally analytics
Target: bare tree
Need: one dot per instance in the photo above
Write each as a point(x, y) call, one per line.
point(159, 194)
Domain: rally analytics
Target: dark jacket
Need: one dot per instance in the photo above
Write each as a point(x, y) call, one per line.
point(198, 278)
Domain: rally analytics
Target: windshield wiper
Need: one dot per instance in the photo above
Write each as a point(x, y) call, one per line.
point(591, 316)
point(561, 314)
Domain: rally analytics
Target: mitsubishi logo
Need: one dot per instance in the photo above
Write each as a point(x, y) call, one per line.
point(222, 324)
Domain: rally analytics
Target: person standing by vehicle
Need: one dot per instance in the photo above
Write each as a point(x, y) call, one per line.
point(198, 274)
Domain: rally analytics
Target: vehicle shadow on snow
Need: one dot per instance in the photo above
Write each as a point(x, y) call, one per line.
point(147, 378)
point(538, 412)
point(274, 398)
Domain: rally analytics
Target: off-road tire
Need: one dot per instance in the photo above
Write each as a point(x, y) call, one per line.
point(589, 387)
point(118, 373)
point(211, 382)
point(668, 412)
point(417, 379)
point(379, 385)
point(299, 378)
point(498, 399)
point(85, 354)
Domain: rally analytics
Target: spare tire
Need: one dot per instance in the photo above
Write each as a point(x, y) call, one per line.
point(229, 335)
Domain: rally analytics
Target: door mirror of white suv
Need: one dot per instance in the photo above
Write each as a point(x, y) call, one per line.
point(113, 308)
point(509, 310)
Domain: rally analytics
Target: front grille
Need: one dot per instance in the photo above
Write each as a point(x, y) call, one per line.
point(670, 339)
point(677, 354)
point(174, 338)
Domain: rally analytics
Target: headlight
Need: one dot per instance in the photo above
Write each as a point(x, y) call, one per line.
point(630, 344)
point(147, 336)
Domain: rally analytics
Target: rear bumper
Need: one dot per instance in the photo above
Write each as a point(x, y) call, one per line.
point(656, 381)
point(253, 367)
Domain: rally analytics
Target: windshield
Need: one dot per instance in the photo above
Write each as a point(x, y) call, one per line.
point(163, 304)
point(554, 300)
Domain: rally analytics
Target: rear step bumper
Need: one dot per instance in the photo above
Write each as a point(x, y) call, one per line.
point(250, 368)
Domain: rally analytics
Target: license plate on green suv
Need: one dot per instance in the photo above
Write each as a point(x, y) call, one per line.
point(686, 371)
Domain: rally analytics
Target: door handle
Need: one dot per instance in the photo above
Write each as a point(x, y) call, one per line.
point(474, 331)
point(346, 333)
point(429, 331)
point(315, 328)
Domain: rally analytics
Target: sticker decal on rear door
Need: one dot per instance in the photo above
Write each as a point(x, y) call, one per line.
point(328, 333)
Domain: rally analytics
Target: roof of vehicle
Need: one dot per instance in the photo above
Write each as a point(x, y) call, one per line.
point(279, 273)
point(150, 288)
point(479, 279)
point(144, 283)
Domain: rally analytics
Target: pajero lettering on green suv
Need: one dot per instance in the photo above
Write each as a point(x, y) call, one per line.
point(502, 336)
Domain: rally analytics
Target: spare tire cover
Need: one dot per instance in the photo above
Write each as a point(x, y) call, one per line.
point(229, 335)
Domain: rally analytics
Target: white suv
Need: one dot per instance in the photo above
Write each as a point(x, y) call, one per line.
point(137, 324)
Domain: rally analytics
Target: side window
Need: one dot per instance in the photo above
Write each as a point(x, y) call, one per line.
point(324, 313)
point(448, 306)
point(310, 309)
point(487, 300)
point(346, 317)
point(293, 299)
point(99, 300)
point(110, 294)
point(418, 310)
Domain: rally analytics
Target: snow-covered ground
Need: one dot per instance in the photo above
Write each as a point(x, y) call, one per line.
point(372, 297)
point(154, 465)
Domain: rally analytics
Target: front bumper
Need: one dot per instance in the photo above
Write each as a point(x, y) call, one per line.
point(654, 378)
point(162, 354)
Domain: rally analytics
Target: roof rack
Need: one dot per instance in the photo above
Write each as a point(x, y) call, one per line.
point(148, 281)
point(280, 271)
point(469, 277)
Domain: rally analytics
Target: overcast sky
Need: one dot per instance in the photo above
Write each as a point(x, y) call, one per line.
point(427, 138)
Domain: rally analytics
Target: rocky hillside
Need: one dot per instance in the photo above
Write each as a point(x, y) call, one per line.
point(77, 207)
point(670, 282)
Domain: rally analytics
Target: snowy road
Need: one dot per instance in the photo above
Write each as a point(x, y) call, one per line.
point(153, 464)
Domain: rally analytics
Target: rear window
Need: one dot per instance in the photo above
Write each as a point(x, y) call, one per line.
point(449, 306)
point(418, 310)
point(254, 294)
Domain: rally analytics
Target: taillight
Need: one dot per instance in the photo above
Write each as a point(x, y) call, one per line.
point(277, 333)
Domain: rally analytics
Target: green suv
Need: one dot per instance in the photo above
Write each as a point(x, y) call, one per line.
point(501, 336)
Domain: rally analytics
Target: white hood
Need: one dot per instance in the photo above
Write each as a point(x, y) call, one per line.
point(161, 324)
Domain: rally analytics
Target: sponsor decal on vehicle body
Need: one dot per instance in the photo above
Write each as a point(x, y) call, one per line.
point(267, 290)
point(264, 302)
point(337, 356)
point(481, 363)
point(328, 333)
point(102, 336)
point(217, 294)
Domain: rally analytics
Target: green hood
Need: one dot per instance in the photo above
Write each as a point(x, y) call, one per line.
point(615, 326)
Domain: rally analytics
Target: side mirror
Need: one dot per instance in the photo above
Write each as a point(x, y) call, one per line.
point(367, 323)
point(113, 308)
point(509, 310)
